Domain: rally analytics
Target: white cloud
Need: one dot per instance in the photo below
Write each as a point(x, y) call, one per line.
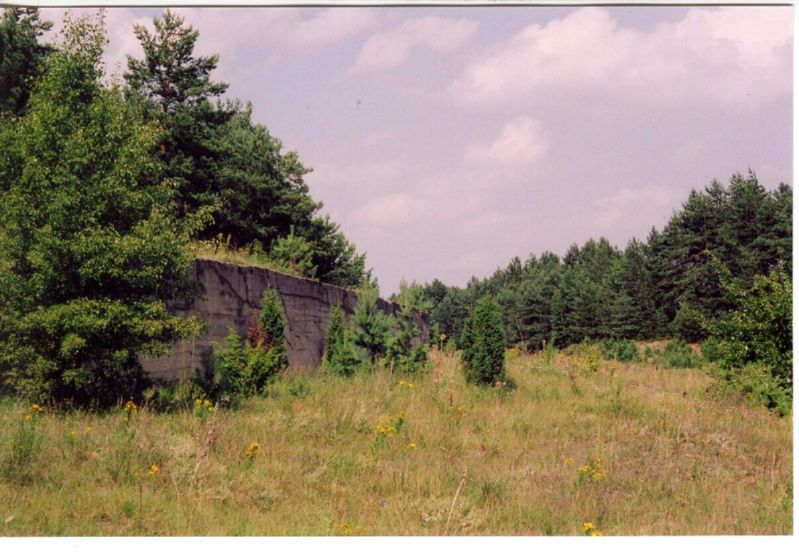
point(522, 140)
point(226, 30)
point(689, 152)
point(632, 208)
point(390, 210)
point(730, 57)
point(389, 49)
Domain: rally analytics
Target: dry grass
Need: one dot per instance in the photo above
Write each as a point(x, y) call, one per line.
point(631, 449)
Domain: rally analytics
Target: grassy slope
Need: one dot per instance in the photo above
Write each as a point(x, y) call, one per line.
point(673, 460)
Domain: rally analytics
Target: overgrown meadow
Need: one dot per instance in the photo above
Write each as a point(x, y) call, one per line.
point(580, 446)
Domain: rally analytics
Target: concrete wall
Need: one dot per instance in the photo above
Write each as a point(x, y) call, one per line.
point(232, 293)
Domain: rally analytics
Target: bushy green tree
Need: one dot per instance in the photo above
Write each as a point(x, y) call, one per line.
point(295, 254)
point(341, 355)
point(689, 324)
point(759, 331)
point(371, 326)
point(484, 344)
point(405, 352)
point(242, 370)
point(273, 342)
point(21, 56)
point(89, 250)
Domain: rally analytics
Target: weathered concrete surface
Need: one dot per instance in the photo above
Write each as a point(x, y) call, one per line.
point(232, 293)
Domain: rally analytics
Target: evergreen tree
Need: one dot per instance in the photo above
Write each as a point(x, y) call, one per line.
point(334, 336)
point(404, 351)
point(170, 74)
point(273, 321)
point(173, 87)
point(226, 164)
point(371, 326)
point(295, 254)
point(21, 56)
point(484, 344)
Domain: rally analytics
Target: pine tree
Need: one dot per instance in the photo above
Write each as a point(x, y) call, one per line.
point(371, 326)
point(295, 254)
point(21, 56)
point(274, 322)
point(484, 344)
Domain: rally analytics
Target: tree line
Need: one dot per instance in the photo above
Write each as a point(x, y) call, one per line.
point(675, 284)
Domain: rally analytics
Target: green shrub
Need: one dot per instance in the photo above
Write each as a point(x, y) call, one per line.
point(299, 386)
point(623, 350)
point(341, 355)
point(758, 384)
point(759, 333)
point(711, 349)
point(484, 344)
point(241, 371)
point(404, 353)
point(678, 354)
point(371, 326)
point(689, 324)
point(90, 250)
point(294, 254)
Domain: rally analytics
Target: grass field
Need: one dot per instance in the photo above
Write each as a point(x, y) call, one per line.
point(579, 447)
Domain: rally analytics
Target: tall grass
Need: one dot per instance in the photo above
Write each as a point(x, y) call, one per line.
point(638, 450)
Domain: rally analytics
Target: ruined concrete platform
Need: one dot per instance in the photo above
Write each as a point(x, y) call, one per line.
point(232, 293)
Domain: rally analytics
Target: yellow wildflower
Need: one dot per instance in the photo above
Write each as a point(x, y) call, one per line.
point(345, 529)
point(130, 407)
point(412, 446)
point(154, 469)
point(590, 530)
point(37, 408)
point(569, 461)
point(252, 450)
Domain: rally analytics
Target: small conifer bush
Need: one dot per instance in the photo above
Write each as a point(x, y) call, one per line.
point(484, 344)
point(245, 370)
point(341, 355)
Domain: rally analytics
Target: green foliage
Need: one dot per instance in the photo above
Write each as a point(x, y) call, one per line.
point(759, 332)
point(295, 254)
point(22, 461)
point(689, 324)
point(245, 370)
point(299, 386)
point(230, 367)
point(341, 354)
point(484, 344)
point(405, 352)
point(89, 251)
point(711, 349)
point(623, 350)
point(371, 326)
point(169, 74)
point(756, 383)
point(221, 160)
point(678, 354)
point(21, 56)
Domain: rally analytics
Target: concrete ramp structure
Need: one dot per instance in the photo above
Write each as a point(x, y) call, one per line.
point(232, 293)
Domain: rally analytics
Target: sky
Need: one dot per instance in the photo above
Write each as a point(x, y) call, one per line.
point(446, 141)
